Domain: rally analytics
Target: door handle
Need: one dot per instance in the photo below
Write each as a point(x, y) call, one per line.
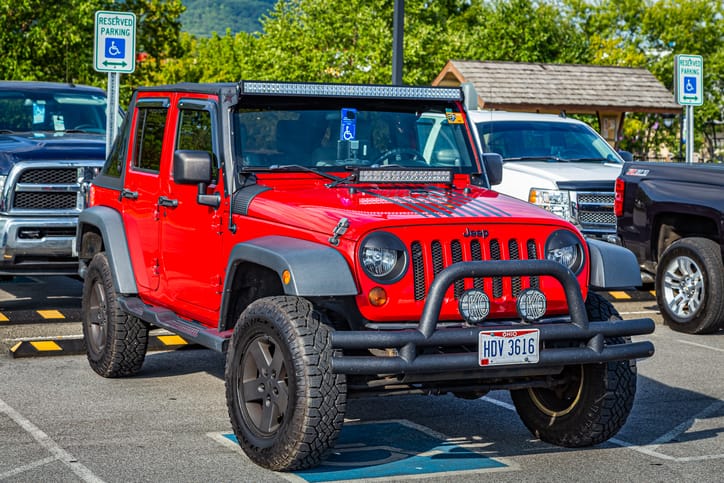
point(126, 193)
point(167, 202)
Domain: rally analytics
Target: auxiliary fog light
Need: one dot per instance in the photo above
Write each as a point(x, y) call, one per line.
point(377, 296)
point(531, 304)
point(474, 305)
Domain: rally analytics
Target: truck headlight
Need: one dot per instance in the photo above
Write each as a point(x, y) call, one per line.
point(555, 201)
point(565, 248)
point(383, 257)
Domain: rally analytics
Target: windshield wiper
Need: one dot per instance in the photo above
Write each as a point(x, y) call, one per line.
point(296, 167)
point(591, 160)
point(536, 158)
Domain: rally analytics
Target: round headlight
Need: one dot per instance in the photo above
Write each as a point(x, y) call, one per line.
point(565, 248)
point(383, 257)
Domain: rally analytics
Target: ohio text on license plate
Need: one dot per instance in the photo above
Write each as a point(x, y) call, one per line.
point(500, 347)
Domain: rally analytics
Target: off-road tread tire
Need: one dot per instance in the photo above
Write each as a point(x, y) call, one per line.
point(126, 336)
point(709, 318)
point(318, 395)
point(606, 400)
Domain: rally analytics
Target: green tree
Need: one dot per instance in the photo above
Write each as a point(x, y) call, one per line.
point(646, 33)
point(53, 41)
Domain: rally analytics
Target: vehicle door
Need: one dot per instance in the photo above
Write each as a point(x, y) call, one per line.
point(139, 196)
point(191, 233)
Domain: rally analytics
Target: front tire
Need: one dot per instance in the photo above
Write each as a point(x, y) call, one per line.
point(689, 285)
point(116, 342)
point(285, 404)
point(589, 403)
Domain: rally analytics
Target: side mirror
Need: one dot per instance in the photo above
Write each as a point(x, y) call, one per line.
point(191, 167)
point(194, 167)
point(625, 155)
point(493, 163)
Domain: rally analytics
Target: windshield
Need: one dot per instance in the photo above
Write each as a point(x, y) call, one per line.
point(548, 141)
point(354, 134)
point(39, 110)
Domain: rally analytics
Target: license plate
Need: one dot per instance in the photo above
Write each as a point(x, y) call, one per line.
point(501, 347)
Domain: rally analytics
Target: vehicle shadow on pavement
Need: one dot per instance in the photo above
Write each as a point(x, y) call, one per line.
point(661, 415)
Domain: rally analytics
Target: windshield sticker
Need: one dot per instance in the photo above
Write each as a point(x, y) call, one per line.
point(38, 113)
point(348, 124)
point(453, 117)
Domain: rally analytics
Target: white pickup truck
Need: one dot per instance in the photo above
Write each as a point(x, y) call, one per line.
point(558, 163)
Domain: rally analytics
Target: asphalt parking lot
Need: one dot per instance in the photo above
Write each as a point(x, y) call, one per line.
point(61, 422)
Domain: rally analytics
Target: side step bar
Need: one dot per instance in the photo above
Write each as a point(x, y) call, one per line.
point(191, 330)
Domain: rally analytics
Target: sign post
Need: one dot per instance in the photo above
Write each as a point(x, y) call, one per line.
point(114, 51)
point(688, 84)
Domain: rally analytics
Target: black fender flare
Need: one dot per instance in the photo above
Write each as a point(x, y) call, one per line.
point(315, 270)
point(612, 266)
point(110, 224)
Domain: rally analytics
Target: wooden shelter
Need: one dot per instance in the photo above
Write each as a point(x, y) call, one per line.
point(606, 91)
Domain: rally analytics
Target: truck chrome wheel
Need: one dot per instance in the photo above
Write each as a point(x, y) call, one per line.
point(690, 286)
point(285, 404)
point(683, 286)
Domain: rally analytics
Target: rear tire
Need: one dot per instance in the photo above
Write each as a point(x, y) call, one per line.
point(590, 403)
point(285, 404)
point(116, 342)
point(689, 286)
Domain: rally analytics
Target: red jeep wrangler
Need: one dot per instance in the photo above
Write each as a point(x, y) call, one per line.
point(343, 239)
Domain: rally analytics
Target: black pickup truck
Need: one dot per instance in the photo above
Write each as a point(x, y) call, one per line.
point(671, 215)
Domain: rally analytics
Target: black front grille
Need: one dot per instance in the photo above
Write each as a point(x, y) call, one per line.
point(45, 201)
point(437, 255)
point(49, 176)
point(47, 189)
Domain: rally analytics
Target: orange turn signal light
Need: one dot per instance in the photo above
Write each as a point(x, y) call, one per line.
point(377, 296)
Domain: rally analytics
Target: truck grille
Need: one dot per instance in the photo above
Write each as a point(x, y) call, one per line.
point(47, 190)
point(428, 260)
point(595, 212)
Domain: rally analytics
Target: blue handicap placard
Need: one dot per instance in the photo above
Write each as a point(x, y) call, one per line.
point(115, 48)
point(690, 85)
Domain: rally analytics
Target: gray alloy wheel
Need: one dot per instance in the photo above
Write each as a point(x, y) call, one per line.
point(689, 284)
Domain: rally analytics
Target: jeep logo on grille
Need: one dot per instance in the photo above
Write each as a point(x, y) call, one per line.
point(475, 233)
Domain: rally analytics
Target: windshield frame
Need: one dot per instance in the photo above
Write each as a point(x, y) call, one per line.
point(318, 118)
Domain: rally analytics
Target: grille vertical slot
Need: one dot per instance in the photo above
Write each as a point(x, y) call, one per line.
point(432, 258)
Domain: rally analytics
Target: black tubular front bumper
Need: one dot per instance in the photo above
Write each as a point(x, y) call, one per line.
point(428, 335)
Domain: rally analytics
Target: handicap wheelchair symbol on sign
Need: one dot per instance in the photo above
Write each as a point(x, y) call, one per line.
point(690, 85)
point(115, 48)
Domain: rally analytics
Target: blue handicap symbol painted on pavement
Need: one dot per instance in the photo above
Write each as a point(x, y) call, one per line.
point(690, 85)
point(115, 48)
point(393, 449)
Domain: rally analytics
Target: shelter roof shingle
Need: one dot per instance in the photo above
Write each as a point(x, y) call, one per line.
point(574, 88)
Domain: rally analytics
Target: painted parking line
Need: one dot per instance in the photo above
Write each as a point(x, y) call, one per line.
point(56, 451)
point(380, 450)
point(678, 433)
point(652, 449)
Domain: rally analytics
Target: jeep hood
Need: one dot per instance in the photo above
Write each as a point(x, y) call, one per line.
point(64, 147)
point(553, 171)
point(319, 209)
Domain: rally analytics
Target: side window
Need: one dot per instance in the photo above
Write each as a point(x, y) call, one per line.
point(195, 133)
point(150, 126)
point(114, 163)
